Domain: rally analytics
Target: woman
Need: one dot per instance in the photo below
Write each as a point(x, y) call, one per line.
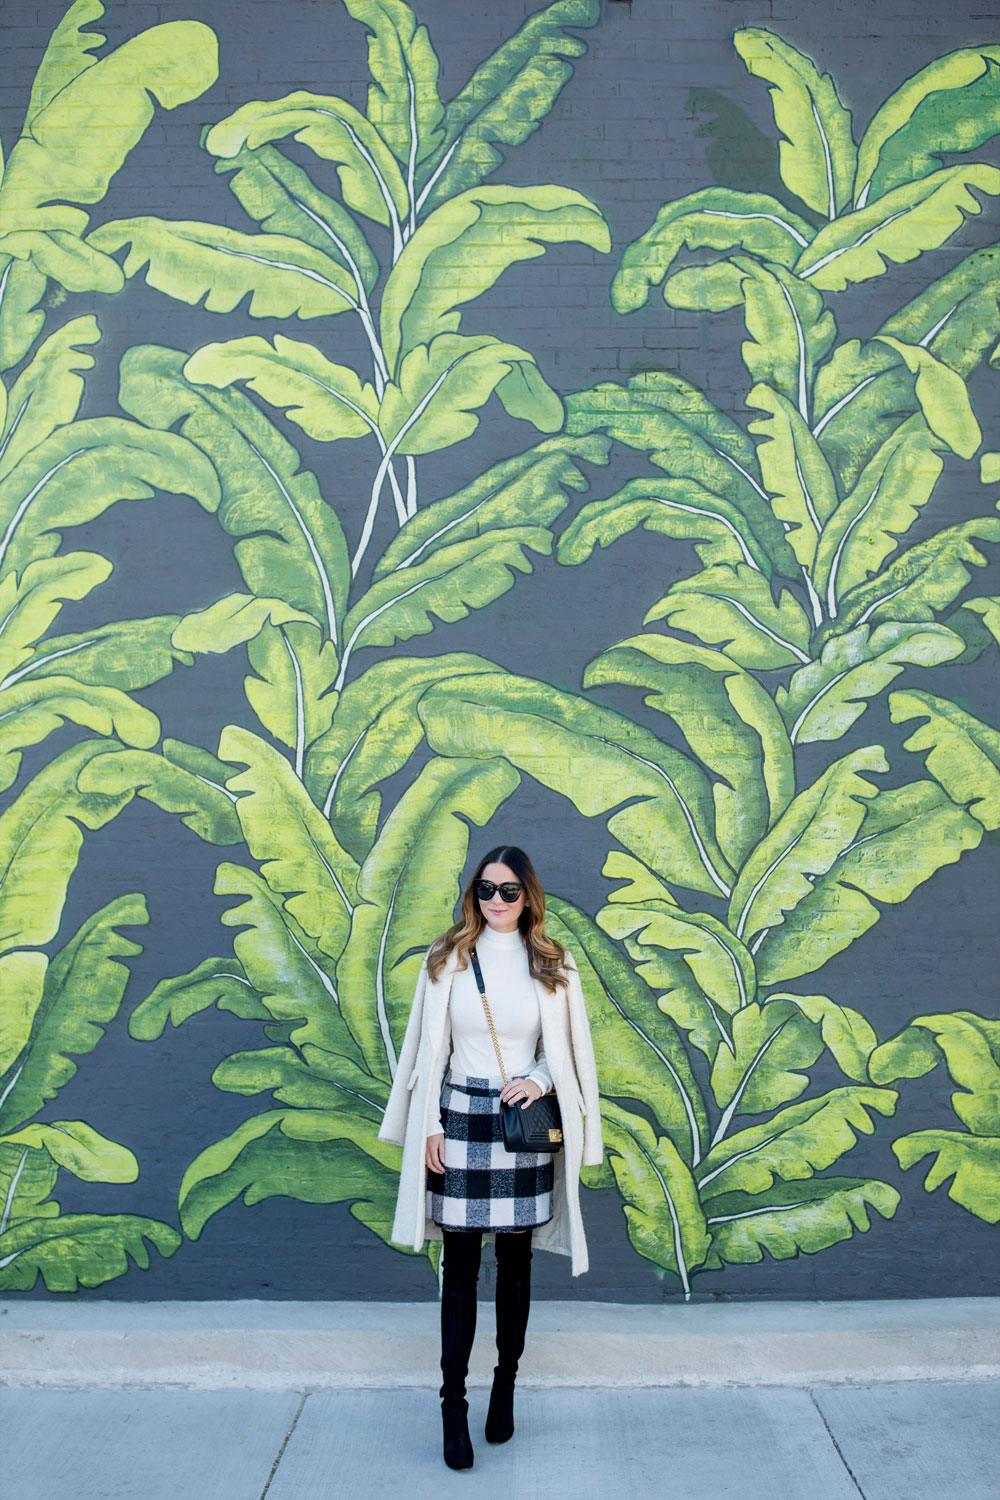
point(457, 1181)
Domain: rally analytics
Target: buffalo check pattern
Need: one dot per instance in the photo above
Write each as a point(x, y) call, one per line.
point(484, 1186)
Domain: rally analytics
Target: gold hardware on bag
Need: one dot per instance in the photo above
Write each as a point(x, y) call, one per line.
point(555, 1135)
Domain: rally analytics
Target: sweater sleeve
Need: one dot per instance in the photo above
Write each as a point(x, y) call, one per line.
point(436, 1123)
point(540, 1072)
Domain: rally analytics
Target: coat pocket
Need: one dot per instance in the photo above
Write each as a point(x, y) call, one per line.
point(411, 1081)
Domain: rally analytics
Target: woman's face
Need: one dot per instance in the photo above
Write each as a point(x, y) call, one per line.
point(499, 914)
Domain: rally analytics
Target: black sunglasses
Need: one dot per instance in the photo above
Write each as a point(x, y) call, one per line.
point(509, 891)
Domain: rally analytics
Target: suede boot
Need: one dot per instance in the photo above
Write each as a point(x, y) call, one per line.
point(460, 1275)
point(513, 1305)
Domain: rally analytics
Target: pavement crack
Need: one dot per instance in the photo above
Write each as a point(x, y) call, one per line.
point(830, 1434)
point(281, 1451)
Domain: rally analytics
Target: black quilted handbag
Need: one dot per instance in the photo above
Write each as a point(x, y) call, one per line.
point(537, 1128)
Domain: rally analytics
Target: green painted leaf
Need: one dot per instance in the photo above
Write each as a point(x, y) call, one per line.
point(963, 754)
point(80, 470)
point(217, 982)
point(923, 579)
point(953, 104)
point(595, 757)
point(639, 1054)
point(908, 833)
point(676, 508)
point(183, 780)
point(291, 692)
point(375, 730)
point(23, 975)
point(681, 432)
point(283, 199)
point(286, 966)
point(789, 332)
point(795, 473)
point(27, 1178)
point(370, 179)
point(316, 1156)
point(825, 698)
point(454, 580)
point(715, 288)
point(48, 392)
point(40, 837)
point(31, 601)
point(284, 1073)
point(795, 1143)
point(407, 892)
point(862, 392)
point(714, 218)
point(290, 545)
point(970, 1047)
point(301, 860)
point(126, 654)
point(728, 721)
point(773, 1046)
point(888, 497)
point(817, 155)
point(505, 100)
point(971, 1162)
point(67, 54)
point(73, 144)
point(215, 267)
point(942, 397)
point(403, 101)
point(78, 1148)
point(722, 969)
point(664, 968)
point(529, 489)
point(232, 621)
point(22, 288)
point(83, 988)
point(63, 257)
point(462, 249)
point(326, 400)
point(735, 609)
point(32, 710)
point(78, 1250)
point(666, 1223)
point(908, 220)
point(439, 386)
point(796, 1218)
point(816, 827)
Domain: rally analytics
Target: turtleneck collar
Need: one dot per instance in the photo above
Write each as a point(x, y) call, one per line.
point(488, 939)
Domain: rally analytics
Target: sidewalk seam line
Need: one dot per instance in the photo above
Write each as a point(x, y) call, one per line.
point(833, 1440)
point(281, 1451)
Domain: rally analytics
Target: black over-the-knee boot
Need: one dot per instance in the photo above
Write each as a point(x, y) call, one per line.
point(513, 1306)
point(462, 1252)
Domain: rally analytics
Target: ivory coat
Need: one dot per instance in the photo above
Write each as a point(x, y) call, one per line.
point(569, 1054)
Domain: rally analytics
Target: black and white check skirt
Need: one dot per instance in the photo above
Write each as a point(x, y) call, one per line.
point(484, 1186)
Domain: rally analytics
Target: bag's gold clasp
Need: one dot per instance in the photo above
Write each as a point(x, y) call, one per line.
point(555, 1135)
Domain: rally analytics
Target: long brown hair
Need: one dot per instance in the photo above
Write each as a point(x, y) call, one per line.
point(546, 957)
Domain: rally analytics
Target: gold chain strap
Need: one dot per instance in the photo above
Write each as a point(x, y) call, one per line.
point(493, 1030)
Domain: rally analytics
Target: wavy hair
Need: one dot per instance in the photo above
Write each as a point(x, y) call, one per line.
point(546, 957)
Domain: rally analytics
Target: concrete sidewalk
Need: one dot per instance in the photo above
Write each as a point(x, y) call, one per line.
point(891, 1442)
point(297, 1401)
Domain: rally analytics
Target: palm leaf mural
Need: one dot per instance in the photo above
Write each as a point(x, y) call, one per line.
point(401, 232)
point(807, 585)
point(59, 470)
point(747, 854)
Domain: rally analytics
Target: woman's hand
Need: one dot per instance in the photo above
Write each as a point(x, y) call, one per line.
point(522, 1091)
point(434, 1153)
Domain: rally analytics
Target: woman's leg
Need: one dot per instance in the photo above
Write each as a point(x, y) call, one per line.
point(460, 1275)
point(513, 1305)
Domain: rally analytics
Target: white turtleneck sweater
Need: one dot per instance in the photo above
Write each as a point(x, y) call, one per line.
point(513, 1001)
